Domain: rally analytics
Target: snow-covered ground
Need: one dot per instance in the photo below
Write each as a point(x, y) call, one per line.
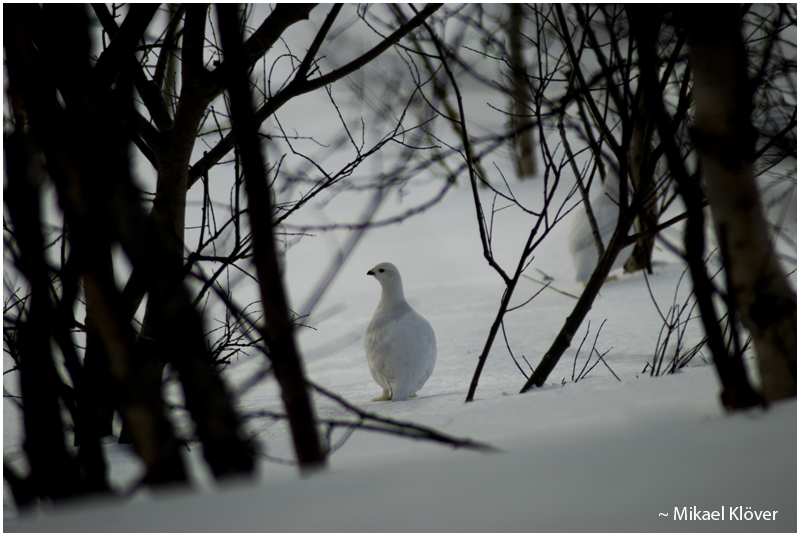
point(589, 458)
point(596, 455)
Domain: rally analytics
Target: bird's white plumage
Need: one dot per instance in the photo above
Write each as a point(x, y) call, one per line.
point(400, 343)
point(581, 241)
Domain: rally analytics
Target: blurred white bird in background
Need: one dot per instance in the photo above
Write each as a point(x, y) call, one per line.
point(605, 206)
point(400, 343)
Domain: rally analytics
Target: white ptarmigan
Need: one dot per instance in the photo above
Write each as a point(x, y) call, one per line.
point(582, 248)
point(400, 343)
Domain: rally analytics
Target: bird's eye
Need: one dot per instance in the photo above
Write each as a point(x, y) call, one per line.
point(381, 270)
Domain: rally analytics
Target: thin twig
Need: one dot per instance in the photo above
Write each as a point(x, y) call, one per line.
point(392, 426)
point(547, 285)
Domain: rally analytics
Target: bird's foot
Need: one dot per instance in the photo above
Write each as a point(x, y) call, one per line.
point(385, 396)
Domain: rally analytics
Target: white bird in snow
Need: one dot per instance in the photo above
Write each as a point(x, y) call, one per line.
point(582, 248)
point(400, 343)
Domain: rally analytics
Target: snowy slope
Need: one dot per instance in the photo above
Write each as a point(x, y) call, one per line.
point(588, 461)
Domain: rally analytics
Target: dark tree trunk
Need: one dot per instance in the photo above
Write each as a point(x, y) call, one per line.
point(725, 139)
point(641, 258)
point(736, 389)
point(520, 95)
point(53, 472)
point(278, 329)
point(96, 366)
point(173, 153)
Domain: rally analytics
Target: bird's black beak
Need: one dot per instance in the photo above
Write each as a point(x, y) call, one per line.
point(370, 273)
